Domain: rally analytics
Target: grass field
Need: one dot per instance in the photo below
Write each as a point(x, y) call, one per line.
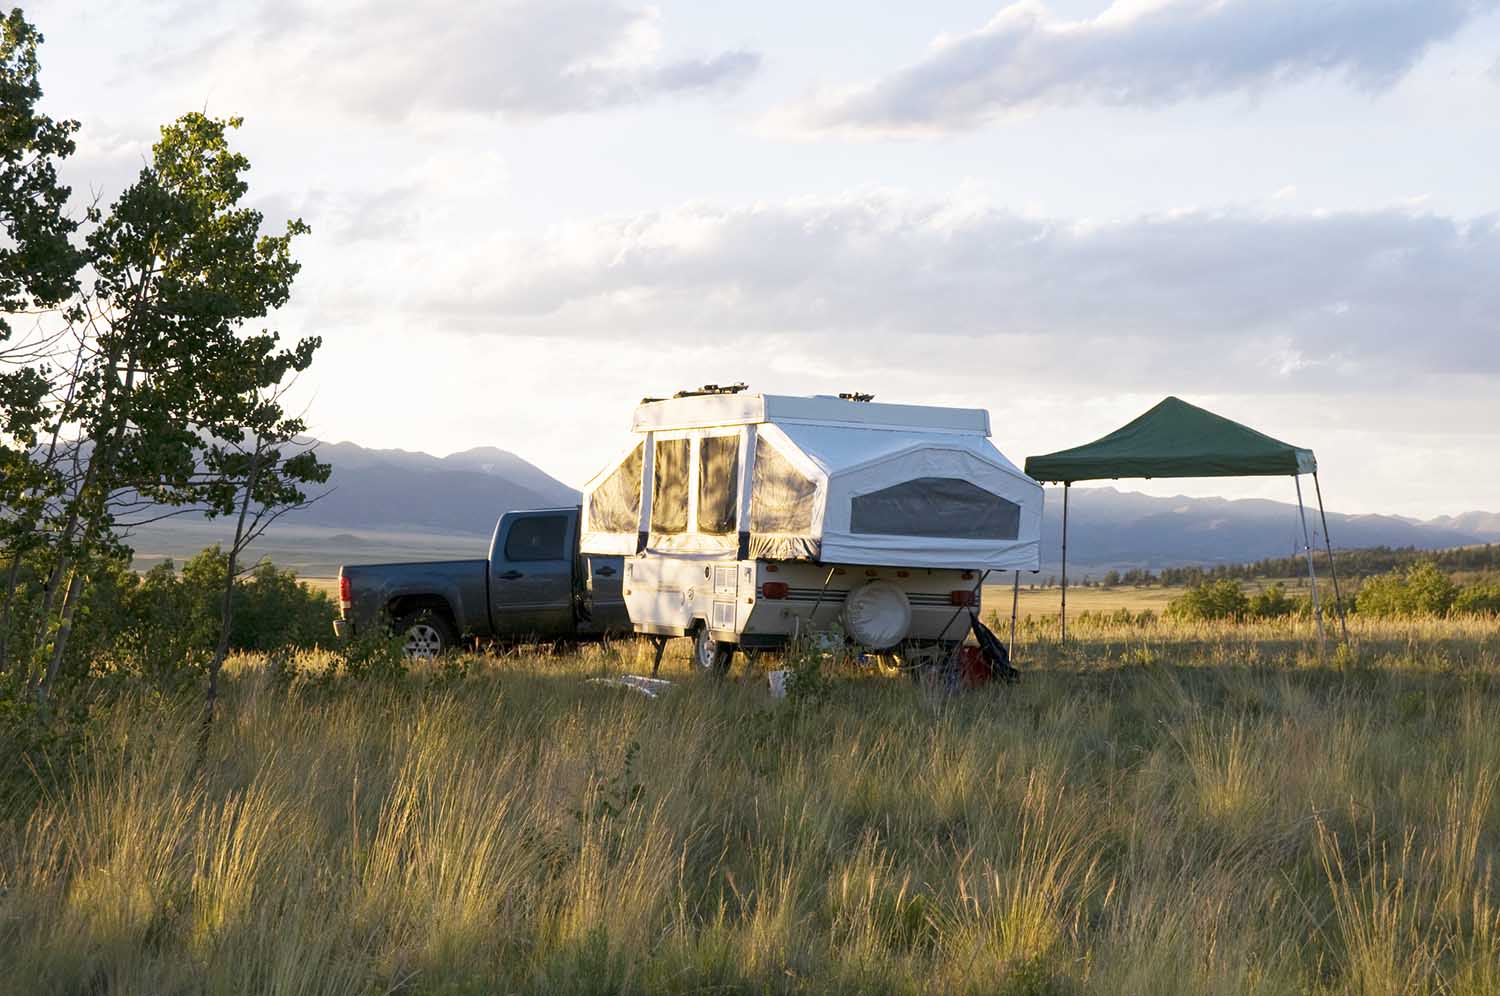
point(1173, 809)
point(1045, 602)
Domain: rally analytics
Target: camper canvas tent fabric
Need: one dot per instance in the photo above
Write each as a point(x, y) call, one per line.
point(1175, 439)
point(818, 479)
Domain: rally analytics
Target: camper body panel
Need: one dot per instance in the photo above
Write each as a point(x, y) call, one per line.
point(677, 595)
point(875, 520)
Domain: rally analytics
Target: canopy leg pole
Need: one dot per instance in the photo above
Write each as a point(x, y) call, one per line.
point(1015, 603)
point(1311, 571)
point(1064, 614)
point(1333, 569)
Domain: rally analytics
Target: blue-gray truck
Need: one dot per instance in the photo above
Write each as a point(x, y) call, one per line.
point(533, 587)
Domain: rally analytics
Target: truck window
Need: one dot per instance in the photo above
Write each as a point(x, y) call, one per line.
point(615, 505)
point(537, 537)
point(718, 483)
point(669, 487)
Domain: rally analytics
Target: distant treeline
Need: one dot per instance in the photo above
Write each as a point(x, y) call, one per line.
point(1351, 563)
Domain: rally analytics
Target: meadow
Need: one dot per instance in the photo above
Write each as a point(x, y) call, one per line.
point(1205, 808)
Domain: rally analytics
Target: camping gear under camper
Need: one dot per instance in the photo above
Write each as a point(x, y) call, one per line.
point(747, 520)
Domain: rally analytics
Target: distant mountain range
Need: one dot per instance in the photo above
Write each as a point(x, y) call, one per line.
point(397, 504)
point(1112, 528)
point(398, 490)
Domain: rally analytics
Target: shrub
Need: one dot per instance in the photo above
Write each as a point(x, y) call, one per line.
point(1273, 603)
point(1220, 599)
point(1421, 590)
point(1478, 600)
point(168, 620)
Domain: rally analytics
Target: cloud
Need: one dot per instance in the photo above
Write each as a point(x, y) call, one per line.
point(1142, 53)
point(1346, 301)
point(395, 59)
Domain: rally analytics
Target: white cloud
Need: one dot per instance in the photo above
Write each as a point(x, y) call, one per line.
point(394, 59)
point(1360, 301)
point(1137, 53)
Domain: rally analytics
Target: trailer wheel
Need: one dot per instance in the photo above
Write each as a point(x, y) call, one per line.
point(710, 654)
point(425, 635)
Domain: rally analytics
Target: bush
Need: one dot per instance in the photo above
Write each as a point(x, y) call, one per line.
point(1220, 599)
point(1478, 600)
point(170, 620)
point(1420, 590)
point(1273, 603)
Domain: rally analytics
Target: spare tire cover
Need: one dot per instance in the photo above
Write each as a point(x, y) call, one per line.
point(877, 615)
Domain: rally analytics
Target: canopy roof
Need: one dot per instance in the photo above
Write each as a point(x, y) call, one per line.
point(1175, 439)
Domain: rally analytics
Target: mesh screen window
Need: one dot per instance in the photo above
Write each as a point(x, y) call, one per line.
point(615, 506)
point(935, 506)
point(669, 487)
point(781, 498)
point(718, 483)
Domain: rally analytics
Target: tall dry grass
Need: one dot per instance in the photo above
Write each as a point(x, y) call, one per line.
point(1204, 809)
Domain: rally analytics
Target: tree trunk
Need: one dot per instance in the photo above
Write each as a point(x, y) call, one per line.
point(97, 476)
point(12, 578)
point(226, 611)
point(54, 664)
point(25, 538)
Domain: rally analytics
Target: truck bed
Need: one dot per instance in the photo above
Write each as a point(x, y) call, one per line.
point(461, 583)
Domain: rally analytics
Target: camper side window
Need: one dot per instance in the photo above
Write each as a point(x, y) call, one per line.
point(615, 505)
point(718, 483)
point(781, 498)
point(935, 506)
point(669, 487)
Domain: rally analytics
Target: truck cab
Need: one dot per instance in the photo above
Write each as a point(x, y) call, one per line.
point(540, 585)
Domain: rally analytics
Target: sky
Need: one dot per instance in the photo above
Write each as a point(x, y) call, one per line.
point(528, 214)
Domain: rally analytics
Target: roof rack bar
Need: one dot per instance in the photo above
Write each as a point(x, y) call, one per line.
point(712, 389)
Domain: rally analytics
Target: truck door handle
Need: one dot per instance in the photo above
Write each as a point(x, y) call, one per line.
point(510, 575)
point(606, 571)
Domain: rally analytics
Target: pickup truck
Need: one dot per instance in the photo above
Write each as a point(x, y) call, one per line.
point(534, 586)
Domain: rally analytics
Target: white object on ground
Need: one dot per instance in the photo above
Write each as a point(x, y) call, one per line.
point(778, 683)
point(649, 687)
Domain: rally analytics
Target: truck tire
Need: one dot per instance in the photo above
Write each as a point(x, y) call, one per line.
point(712, 655)
point(425, 634)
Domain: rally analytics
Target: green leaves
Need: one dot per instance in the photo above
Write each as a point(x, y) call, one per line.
point(163, 371)
point(180, 268)
point(38, 262)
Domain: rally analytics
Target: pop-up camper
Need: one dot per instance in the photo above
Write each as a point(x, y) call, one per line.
point(746, 519)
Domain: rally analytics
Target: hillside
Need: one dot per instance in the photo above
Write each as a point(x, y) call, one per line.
point(398, 490)
point(380, 505)
point(401, 505)
point(1112, 528)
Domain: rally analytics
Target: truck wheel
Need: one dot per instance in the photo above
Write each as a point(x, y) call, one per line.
point(710, 654)
point(425, 635)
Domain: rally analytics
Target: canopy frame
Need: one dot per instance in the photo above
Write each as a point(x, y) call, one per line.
point(1176, 439)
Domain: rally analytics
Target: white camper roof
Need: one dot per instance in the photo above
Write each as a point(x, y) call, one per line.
point(822, 479)
point(704, 410)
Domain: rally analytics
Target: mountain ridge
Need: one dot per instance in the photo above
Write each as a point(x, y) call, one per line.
point(389, 492)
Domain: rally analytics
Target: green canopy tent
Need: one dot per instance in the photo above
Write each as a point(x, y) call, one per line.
point(1176, 439)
